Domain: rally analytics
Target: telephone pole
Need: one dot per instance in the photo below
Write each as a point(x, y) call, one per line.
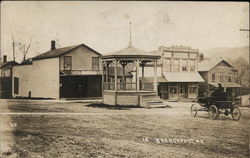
point(248, 30)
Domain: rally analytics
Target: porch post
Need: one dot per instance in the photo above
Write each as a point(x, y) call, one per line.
point(155, 76)
point(137, 76)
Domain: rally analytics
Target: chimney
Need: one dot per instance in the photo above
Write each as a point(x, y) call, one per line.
point(201, 57)
point(53, 44)
point(4, 58)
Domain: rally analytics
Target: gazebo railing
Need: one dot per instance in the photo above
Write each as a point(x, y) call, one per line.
point(147, 86)
point(128, 86)
point(109, 86)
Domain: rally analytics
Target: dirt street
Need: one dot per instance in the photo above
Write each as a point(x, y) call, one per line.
point(75, 129)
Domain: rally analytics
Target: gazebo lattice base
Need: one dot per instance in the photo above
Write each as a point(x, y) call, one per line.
point(124, 97)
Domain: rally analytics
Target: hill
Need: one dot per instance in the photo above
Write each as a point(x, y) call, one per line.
point(227, 53)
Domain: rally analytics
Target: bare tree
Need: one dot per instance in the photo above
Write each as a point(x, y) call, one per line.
point(26, 50)
point(242, 65)
point(22, 45)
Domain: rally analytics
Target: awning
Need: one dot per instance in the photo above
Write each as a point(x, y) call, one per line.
point(183, 77)
point(229, 85)
point(151, 79)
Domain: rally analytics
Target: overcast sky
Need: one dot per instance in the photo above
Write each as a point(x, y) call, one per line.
point(104, 26)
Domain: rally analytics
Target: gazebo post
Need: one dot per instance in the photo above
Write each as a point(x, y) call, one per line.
point(115, 81)
point(103, 75)
point(155, 76)
point(103, 65)
point(123, 63)
point(137, 75)
point(107, 71)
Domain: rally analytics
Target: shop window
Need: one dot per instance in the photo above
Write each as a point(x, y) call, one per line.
point(173, 88)
point(192, 88)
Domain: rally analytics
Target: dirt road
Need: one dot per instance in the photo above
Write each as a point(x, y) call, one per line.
point(74, 129)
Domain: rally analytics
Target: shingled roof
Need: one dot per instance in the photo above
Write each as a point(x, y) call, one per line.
point(207, 65)
point(60, 51)
point(131, 52)
point(9, 63)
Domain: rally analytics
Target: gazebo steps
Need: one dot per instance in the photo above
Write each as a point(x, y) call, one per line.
point(156, 105)
point(151, 100)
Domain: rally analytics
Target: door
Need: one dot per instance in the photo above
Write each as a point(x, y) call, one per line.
point(80, 87)
point(183, 91)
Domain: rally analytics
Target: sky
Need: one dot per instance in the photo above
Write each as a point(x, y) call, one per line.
point(104, 26)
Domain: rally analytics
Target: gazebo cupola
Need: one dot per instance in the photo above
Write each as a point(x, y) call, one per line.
point(122, 91)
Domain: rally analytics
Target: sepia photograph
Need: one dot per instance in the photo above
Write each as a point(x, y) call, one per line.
point(124, 79)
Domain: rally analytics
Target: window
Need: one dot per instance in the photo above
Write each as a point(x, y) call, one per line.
point(221, 78)
point(168, 64)
point(192, 88)
point(192, 65)
point(67, 63)
point(173, 88)
point(95, 63)
point(229, 78)
point(176, 65)
point(213, 77)
point(16, 85)
point(181, 55)
point(184, 65)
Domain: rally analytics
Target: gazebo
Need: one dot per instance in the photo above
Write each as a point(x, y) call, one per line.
point(122, 91)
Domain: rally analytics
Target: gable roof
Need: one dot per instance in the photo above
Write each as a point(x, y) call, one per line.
point(207, 65)
point(60, 51)
point(131, 52)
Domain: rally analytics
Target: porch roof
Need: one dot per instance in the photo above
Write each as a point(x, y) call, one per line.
point(183, 77)
point(151, 79)
point(229, 85)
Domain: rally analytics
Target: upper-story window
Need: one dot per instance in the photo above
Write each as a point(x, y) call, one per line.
point(168, 64)
point(192, 65)
point(176, 65)
point(229, 78)
point(221, 78)
point(184, 65)
point(95, 63)
point(213, 77)
point(67, 63)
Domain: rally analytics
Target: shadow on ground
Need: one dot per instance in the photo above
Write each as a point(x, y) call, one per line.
point(113, 107)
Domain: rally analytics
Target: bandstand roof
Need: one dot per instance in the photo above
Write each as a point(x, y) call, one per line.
point(130, 52)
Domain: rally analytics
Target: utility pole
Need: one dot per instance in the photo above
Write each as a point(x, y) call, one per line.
point(248, 30)
point(13, 45)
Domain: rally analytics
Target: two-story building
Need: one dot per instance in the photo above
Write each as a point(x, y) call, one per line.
point(177, 72)
point(69, 72)
point(215, 72)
